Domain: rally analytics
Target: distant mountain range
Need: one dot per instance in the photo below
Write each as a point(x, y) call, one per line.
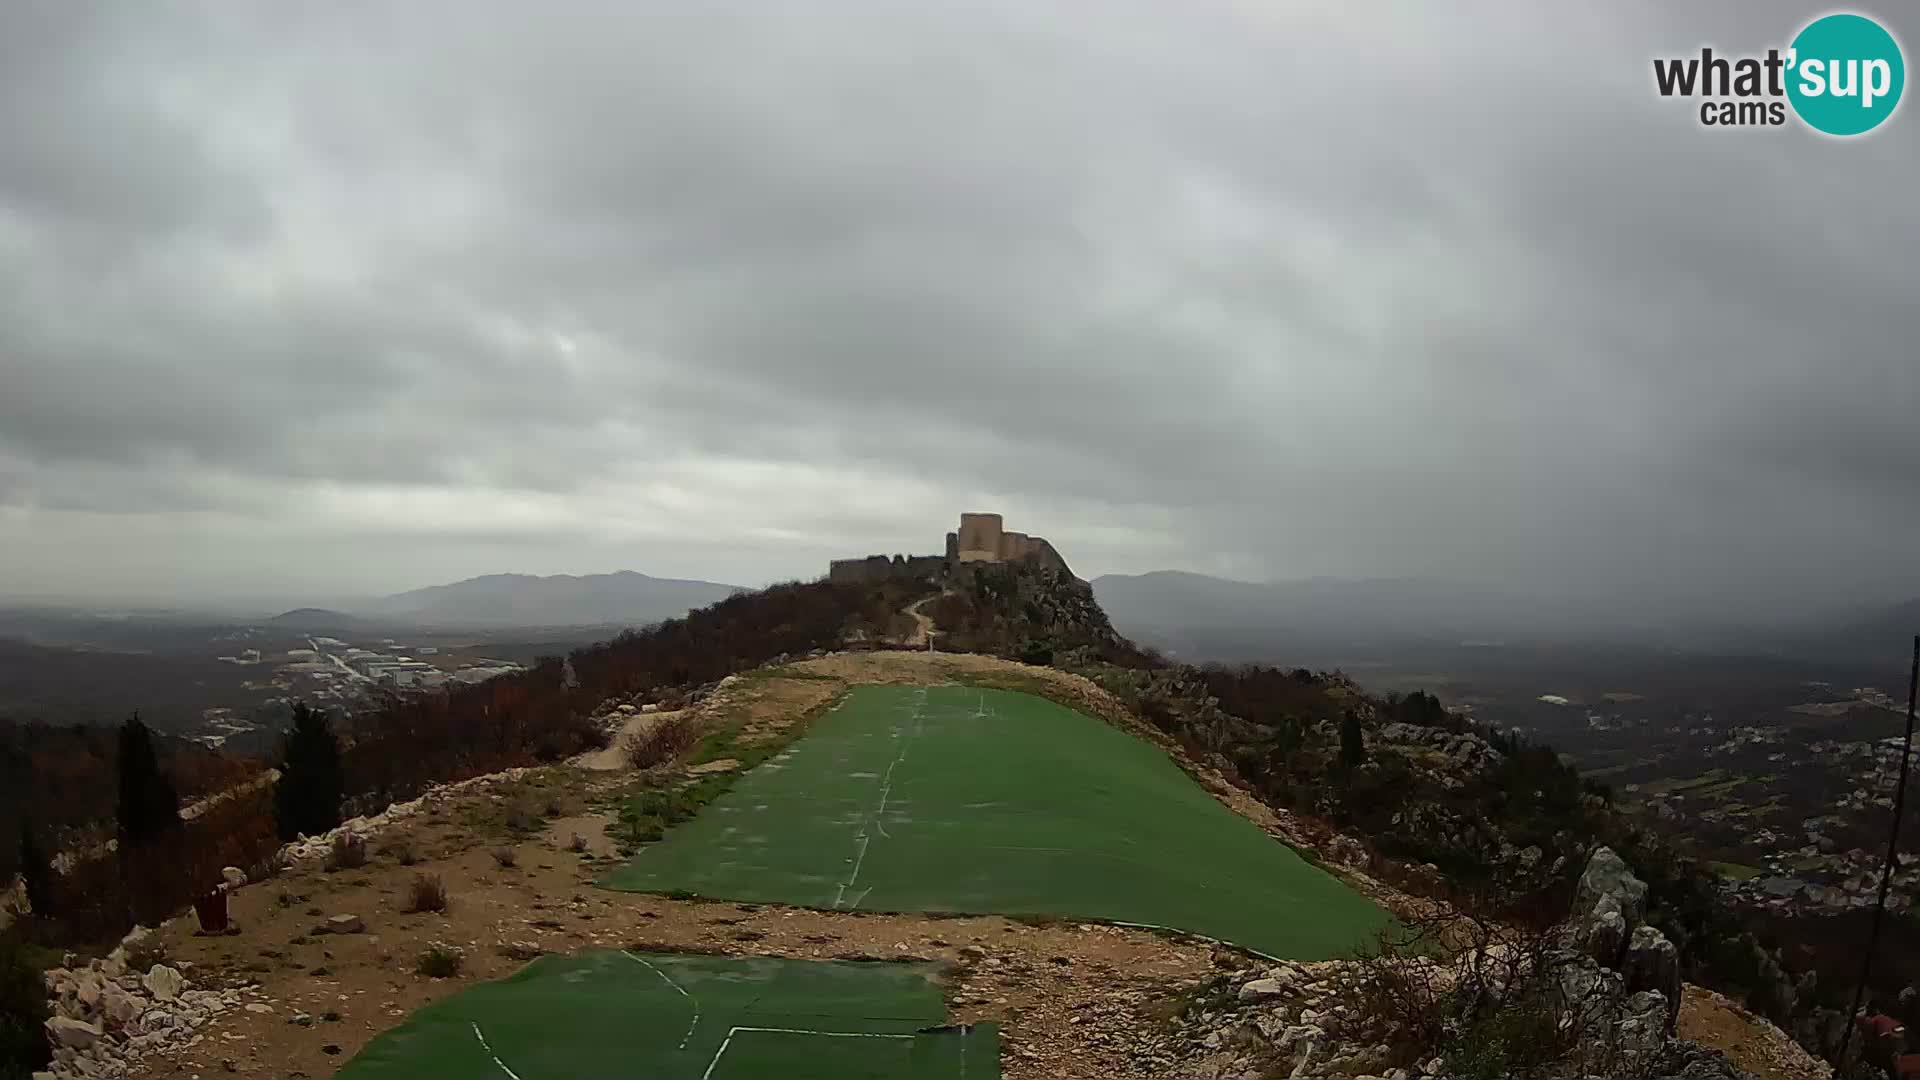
point(1337, 621)
point(1201, 617)
point(498, 601)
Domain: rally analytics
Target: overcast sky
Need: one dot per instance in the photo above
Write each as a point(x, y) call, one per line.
point(305, 301)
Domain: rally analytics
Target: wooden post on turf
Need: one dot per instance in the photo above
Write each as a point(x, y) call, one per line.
point(1893, 860)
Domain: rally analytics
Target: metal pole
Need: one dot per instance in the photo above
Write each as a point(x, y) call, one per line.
point(1893, 859)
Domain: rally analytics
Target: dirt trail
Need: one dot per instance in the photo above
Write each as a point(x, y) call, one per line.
point(923, 629)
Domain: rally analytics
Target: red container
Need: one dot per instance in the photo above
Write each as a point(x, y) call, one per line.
point(212, 910)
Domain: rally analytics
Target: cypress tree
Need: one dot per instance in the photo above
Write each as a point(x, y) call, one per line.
point(148, 806)
point(1353, 746)
point(36, 870)
point(306, 799)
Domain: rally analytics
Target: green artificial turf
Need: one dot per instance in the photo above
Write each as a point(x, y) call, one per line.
point(957, 799)
point(674, 1015)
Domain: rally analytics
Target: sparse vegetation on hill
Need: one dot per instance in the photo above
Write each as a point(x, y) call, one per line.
point(536, 716)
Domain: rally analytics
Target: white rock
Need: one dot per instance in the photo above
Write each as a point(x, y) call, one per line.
point(1266, 988)
point(75, 1033)
point(164, 983)
point(118, 1005)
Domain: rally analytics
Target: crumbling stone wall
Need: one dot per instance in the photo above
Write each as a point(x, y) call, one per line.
point(878, 568)
point(981, 538)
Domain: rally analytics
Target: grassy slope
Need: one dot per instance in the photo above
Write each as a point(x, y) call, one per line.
point(1030, 809)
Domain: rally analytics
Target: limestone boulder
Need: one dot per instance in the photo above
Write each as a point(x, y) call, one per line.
point(1608, 877)
point(78, 1034)
point(164, 983)
point(1652, 964)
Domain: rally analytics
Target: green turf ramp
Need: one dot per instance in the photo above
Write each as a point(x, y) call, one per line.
point(639, 1014)
point(958, 799)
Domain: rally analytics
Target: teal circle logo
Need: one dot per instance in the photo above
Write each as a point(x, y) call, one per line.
point(1846, 74)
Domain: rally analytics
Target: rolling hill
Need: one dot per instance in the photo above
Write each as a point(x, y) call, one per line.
point(626, 598)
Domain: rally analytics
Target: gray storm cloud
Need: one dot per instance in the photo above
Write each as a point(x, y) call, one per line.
point(308, 301)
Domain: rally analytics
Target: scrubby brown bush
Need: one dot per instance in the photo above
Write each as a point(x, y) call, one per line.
point(505, 857)
point(578, 844)
point(400, 851)
point(349, 852)
point(1476, 989)
point(440, 962)
point(661, 742)
point(427, 893)
point(409, 741)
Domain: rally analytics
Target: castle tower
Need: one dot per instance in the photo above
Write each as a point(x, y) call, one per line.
point(980, 537)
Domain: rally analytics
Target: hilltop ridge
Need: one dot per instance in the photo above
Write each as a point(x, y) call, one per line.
point(626, 598)
point(1420, 807)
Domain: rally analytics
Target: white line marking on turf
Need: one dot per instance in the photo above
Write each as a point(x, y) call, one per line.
point(694, 1001)
point(489, 1050)
point(886, 792)
point(731, 1032)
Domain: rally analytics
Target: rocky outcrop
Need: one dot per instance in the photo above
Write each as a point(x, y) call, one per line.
point(1608, 884)
point(1308, 1022)
point(1606, 926)
point(106, 1016)
point(1604, 1020)
point(1464, 751)
point(1652, 964)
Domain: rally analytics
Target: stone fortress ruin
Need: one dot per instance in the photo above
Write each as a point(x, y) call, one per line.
point(981, 538)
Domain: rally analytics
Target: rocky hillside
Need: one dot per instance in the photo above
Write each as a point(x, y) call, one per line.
point(1482, 844)
point(1427, 800)
point(329, 948)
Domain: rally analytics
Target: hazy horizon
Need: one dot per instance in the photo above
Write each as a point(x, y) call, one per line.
point(292, 313)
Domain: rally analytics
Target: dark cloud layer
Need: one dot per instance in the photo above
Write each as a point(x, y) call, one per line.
point(300, 301)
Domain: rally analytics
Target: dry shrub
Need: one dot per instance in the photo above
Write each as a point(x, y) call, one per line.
point(660, 743)
point(349, 852)
point(1474, 987)
point(440, 962)
point(578, 844)
point(521, 818)
point(505, 857)
point(427, 893)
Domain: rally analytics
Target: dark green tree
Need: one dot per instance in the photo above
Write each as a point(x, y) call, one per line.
point(1353, 745)
point(23, 1009)
point(148, 806)
point(36, 870)
point(306, 799)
